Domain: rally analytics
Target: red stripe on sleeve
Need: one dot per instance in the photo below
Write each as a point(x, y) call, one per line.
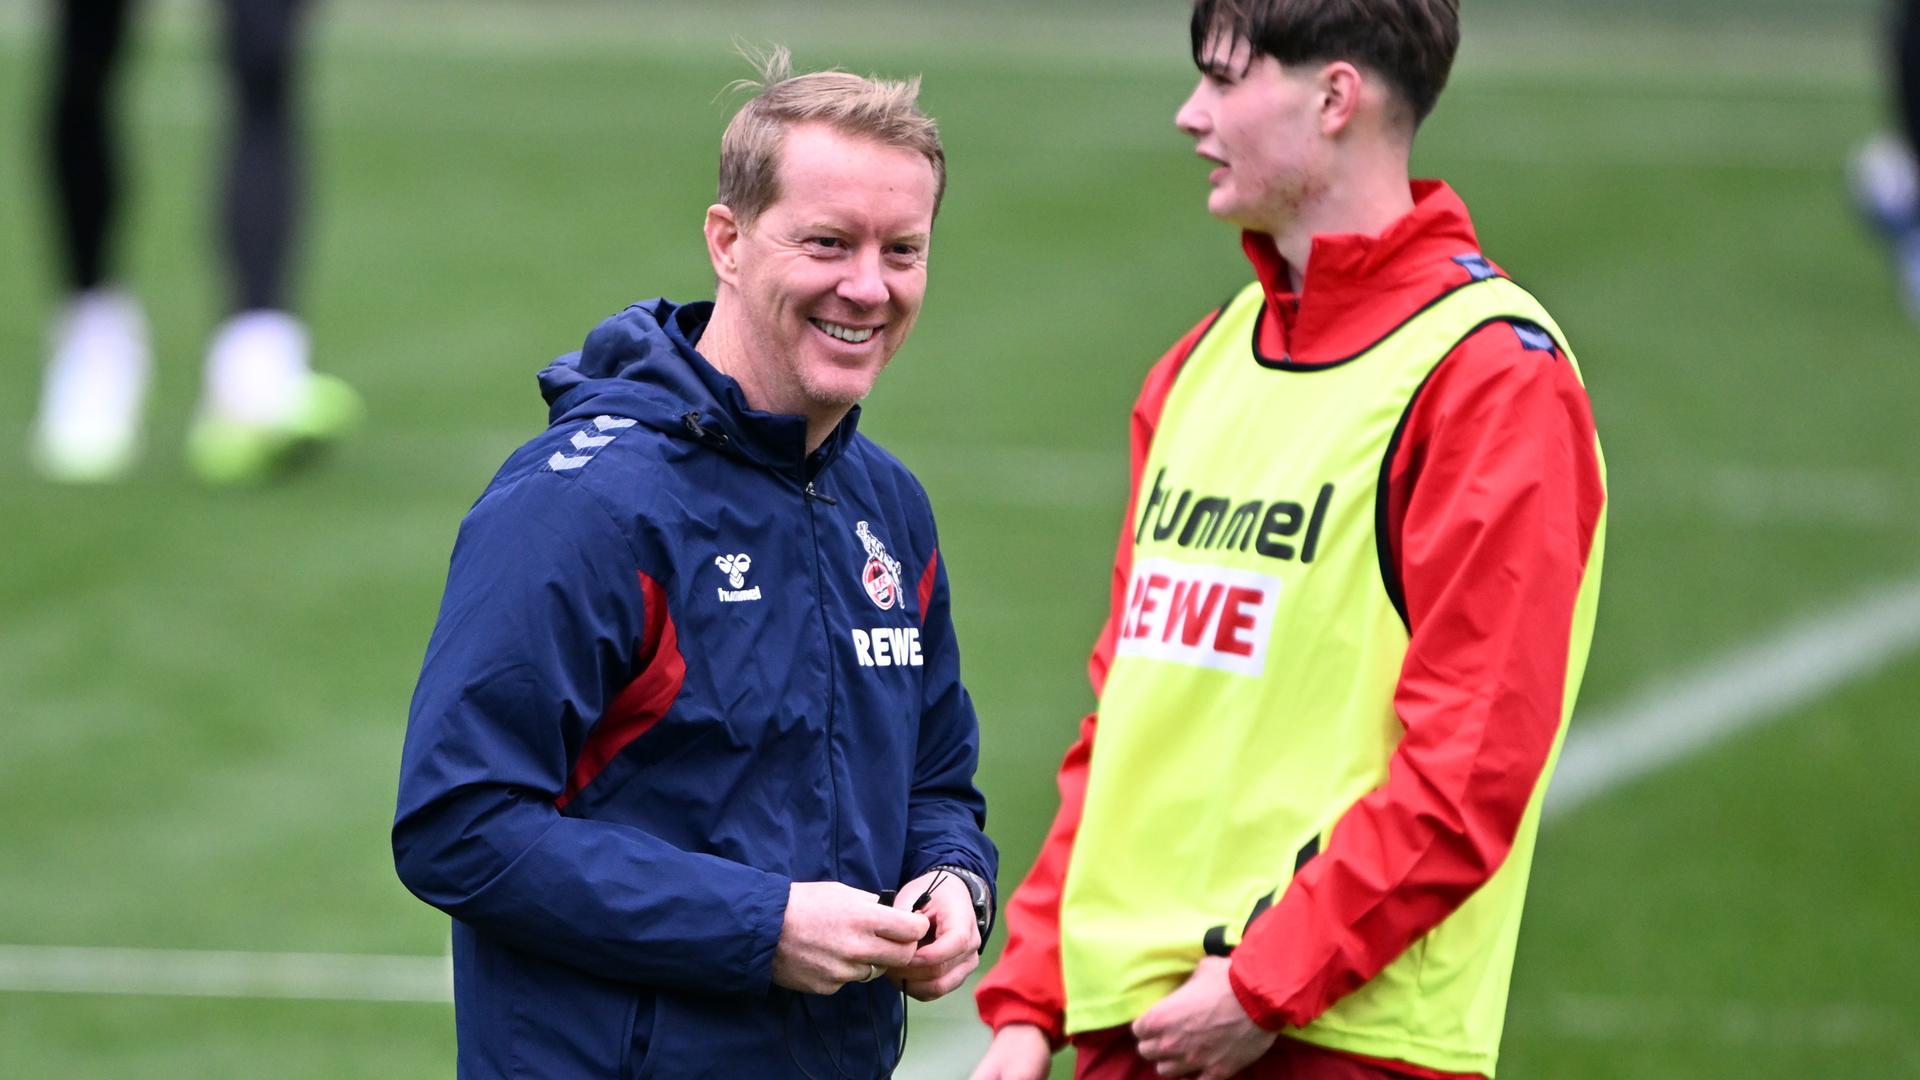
point(1025, 987)
point(926, 584)
point(644, 701)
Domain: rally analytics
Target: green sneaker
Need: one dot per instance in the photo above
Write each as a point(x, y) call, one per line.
point(230, 453)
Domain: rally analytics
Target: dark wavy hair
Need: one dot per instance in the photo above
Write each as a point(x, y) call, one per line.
point(1409, 42)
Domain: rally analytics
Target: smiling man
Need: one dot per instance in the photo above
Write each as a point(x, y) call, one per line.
point(1350, 611)
point(690, 763)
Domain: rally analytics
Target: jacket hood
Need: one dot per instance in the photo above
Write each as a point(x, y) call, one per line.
point(642, 363)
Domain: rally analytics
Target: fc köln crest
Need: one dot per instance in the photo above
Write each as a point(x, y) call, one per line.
point(881, 575)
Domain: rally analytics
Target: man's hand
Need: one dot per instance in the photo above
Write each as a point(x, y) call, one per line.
point(945, 962)
point(1200, 1029)
point(1018, 1052)
point(835, 934)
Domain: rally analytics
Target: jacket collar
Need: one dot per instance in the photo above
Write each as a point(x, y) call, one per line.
point(776, 440)
point(1357, 288)
point(645, 363)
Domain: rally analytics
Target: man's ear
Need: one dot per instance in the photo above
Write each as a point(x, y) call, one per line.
point(723, 242)
point(1340, 87)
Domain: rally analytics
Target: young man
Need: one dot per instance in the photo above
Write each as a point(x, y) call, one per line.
point(1350, 611)
point(693, 704)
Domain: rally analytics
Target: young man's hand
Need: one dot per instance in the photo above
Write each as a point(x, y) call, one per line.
point(941, 965)
point(1200, 1029)
point(834, 934)
point(1018, 1052)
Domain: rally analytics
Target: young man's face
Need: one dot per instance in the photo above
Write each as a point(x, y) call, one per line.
point(1259, 124)
point(830, 277)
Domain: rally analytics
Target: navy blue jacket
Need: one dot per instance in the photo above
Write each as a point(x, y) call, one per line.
point(680, 664)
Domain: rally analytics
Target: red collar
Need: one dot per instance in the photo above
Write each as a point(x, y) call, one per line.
point(1359, 287)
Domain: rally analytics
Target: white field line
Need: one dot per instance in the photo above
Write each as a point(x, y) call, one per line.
point(197, 973)
point(945, 1038)
point(1658, 726)
point(1742, 688)
point(1857, 498)
point(1737, 1024)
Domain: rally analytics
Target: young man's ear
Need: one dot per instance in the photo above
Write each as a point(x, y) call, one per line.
point(723, 241)
point(1340, 87)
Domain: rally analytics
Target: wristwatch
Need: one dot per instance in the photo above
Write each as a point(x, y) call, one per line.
point(982, 895)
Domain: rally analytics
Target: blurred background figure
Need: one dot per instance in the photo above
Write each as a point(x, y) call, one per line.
point(1884, 174)
point(261, 405)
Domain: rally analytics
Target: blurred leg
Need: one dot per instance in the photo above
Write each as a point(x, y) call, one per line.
point(1906, 238)
point(262, 408)
point(85, 171)
point(88, 425)
point(1883, 173)
point(259, 208)
point(1907, 66)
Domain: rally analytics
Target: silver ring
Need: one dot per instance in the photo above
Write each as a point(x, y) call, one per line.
point(873, 972)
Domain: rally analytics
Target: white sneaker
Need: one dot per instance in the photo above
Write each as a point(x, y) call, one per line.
point(1886, 183)
point(88, 428)
point(262, 408)
point(256, 364)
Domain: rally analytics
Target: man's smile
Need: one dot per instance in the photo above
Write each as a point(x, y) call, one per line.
point(855, 335)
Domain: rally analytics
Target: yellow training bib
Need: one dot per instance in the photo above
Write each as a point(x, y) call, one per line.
point(1250, 700)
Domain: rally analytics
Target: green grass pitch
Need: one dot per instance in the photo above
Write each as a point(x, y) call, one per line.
point(202, 694)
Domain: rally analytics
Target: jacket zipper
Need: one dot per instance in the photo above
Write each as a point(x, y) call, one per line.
point(833, 690)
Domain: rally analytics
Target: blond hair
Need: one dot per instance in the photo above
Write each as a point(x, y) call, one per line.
point(882, 110)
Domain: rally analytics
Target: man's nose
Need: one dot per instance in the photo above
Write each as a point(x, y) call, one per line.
point(1191, 117)
point(863, 284)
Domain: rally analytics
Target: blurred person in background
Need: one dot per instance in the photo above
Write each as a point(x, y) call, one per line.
point(1350, 611)
point(1886, 183)
point(690, 763)
point(260, 403)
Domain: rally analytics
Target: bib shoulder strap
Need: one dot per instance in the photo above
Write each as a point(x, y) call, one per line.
point(1456, 314)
